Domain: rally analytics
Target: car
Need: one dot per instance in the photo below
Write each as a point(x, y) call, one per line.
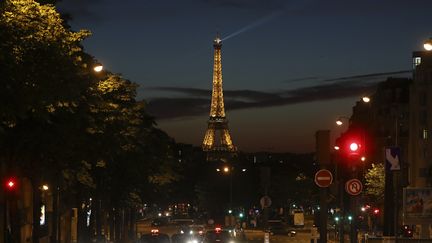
point(218, 235)
point(196, 229)
point(155, 237)
point(186, 238)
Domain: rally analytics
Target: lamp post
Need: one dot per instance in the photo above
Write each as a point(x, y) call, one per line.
point(229, 170)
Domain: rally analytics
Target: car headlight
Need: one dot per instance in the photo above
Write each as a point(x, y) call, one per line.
point(192, 241)
point(231, 241)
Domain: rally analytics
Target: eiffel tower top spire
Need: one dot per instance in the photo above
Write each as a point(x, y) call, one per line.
point(217, 137)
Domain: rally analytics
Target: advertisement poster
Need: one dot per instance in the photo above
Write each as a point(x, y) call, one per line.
point(418, 202)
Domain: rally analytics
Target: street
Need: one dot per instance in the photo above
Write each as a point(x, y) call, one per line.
point(252, 235)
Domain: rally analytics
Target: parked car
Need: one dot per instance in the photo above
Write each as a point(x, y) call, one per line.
point(218, 235)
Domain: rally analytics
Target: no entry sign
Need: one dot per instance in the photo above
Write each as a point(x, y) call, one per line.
point(323, 178)
point(353, 187)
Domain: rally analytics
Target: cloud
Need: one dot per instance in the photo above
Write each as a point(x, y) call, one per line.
point(292, 80)
point(197, 101)
point(370, 75)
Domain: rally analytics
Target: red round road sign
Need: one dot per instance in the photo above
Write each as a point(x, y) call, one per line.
point(353, 187)
point(323, 178)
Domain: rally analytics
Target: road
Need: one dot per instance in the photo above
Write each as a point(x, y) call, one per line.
point(252, 236)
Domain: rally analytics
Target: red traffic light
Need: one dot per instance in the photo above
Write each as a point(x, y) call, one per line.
point(354, 147)
point(11, 184)
point(352, 144)
point(376, 211)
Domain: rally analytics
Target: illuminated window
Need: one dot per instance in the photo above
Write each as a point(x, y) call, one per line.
point(416, 61)
point(425, 134)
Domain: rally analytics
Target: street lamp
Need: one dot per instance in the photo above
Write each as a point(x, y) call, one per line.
point(365, 99)
point(339, 121)
point(428, 45)
point(98, 68)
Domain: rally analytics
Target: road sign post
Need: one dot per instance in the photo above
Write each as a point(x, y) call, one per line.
point(323, 178)
point(353, 187)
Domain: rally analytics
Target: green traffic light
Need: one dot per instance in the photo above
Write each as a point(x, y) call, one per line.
point(336, 219)
point(350, 218)
point(241, 215)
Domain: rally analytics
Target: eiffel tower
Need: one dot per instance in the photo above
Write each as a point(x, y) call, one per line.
point(217, 140)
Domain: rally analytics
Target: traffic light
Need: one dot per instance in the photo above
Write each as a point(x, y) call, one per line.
point(351, 144)
point(11, 184)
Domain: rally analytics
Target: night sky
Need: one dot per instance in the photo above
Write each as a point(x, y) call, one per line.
point(289, 67)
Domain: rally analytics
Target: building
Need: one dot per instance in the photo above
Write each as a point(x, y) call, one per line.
point(420, 149)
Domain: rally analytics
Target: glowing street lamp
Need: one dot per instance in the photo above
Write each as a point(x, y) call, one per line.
point(98, 68)
point(226, 169)
point(428, 45)
point(366, 99)
point(339, 121)
point(45, 187)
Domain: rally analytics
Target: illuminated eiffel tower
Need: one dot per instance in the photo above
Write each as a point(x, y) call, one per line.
point(217, 140)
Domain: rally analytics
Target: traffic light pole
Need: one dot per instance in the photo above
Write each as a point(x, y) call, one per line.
point(342, 210)
point(353, 209)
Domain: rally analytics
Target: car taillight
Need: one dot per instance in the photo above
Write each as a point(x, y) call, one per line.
point(154, 231)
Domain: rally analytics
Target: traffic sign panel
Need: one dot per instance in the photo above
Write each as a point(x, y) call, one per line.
point(323, 178)
point(353, 187)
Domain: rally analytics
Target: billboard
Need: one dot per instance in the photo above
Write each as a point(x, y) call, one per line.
point(418, 202)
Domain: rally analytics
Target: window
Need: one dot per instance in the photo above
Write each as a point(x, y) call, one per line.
point(416, 61)
point(425, 134)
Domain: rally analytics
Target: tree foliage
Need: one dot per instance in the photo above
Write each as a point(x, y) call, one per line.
point(58, 117)
point(375, 179)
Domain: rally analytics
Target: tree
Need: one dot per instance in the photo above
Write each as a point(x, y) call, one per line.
point(375, 179)
point(57, 117)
